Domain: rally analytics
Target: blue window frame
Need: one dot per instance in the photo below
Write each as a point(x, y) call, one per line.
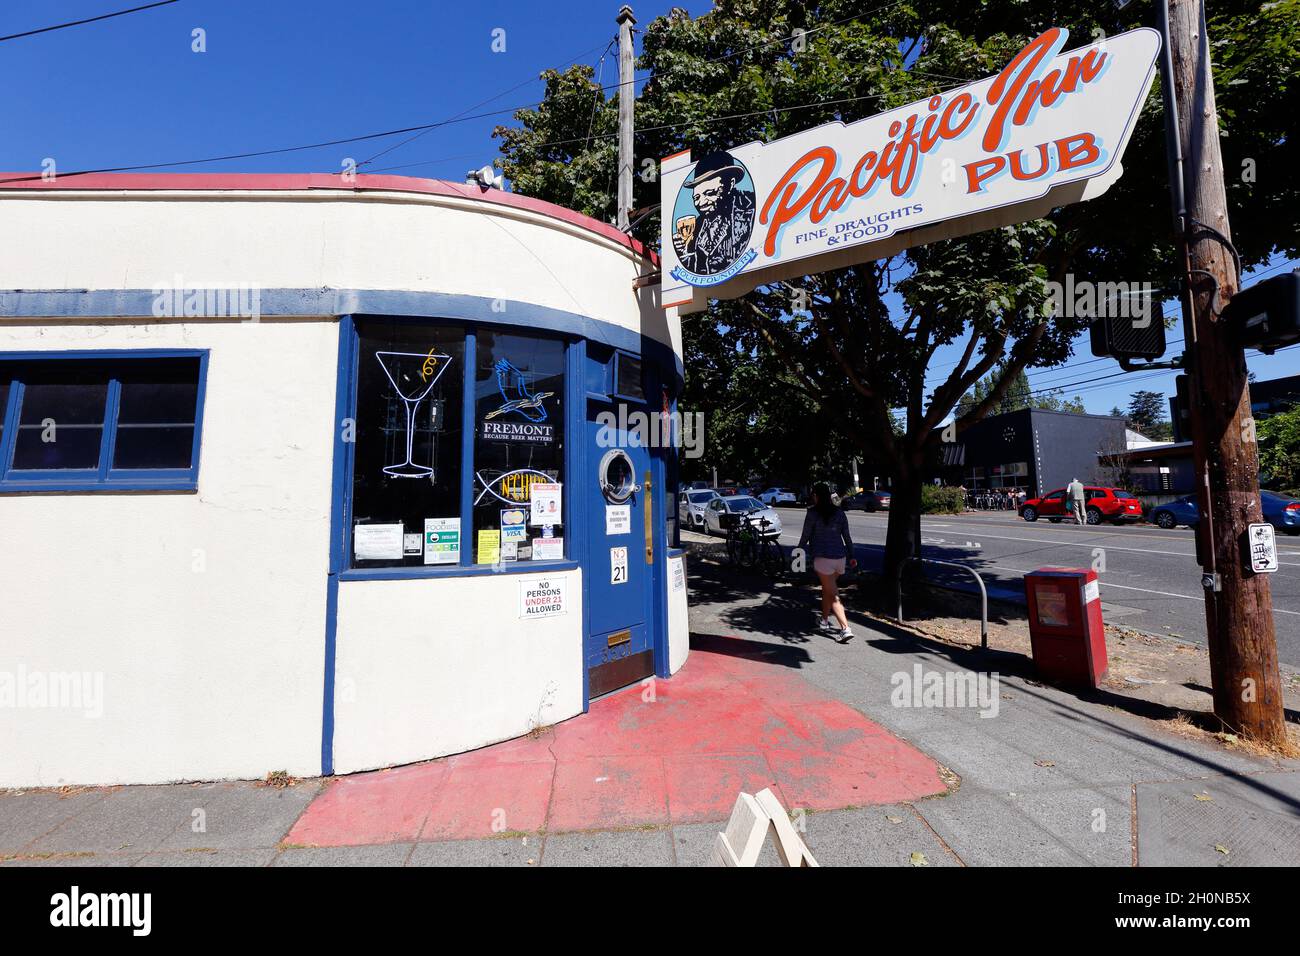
point(101, 421)
point(473, 349)
point(600, 359)
point(628, 383)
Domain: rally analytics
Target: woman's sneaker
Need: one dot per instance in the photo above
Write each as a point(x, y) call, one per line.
point(828, 626)
point(844, 635)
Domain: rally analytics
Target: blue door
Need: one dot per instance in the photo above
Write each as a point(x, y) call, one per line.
point(618, 646)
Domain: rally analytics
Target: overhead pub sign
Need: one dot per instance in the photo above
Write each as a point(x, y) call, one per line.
point(1047, 131)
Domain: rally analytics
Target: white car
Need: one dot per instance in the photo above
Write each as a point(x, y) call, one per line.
point(721, 513)
point(691, 505)
point(777, 496)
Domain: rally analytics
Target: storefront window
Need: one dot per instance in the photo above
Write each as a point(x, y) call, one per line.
point(518, 449)
point(407, 466)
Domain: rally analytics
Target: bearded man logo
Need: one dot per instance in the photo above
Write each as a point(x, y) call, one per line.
point(714, 215)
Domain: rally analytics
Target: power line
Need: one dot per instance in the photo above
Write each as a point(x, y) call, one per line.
point(699, 122)
point(1070, 368)
point(1252, 280)
point(77, 23)
point(572, 60)
point(957, 82)
point(425, 127)
point(430, 126)
point(1141, 376)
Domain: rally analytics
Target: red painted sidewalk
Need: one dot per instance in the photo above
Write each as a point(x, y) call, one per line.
point(724, 724)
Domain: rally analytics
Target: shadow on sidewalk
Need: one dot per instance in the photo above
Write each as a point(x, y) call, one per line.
point(785, 611)
point(929, 590)
point(758, 651)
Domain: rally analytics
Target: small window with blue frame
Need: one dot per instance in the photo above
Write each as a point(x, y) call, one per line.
point(102, 421)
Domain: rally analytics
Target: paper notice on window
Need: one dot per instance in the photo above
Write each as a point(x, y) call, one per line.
point(548, 549)
point(441, 540)
point(618, 519)
point(489, 546)
point(544, 499)
point(377, 542)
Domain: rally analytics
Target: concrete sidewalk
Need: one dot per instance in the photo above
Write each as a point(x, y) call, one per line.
point(1045, 779)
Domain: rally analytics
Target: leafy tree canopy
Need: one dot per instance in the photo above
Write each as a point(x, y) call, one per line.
point(1279, 449)
point(1146, 414)
point(858, 343)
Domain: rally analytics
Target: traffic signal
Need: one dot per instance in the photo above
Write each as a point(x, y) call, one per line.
point(1181, 407)
point(1129, 336)
point(1266, 316)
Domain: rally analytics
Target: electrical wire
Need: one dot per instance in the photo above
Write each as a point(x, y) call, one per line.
point(425, 127)
point(1069, 368)
point(77, 23)
point(429, 126)
point(572, 60)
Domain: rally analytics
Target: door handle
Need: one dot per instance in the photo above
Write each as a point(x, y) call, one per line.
point(649, 520)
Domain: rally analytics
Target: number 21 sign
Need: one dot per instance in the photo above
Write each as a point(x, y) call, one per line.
point(618, 565)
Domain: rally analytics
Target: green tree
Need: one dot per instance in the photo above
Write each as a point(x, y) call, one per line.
point(1146, 414)
point(1018, 395)
point(1279, 449)
point(732, 76)
point(748, 433)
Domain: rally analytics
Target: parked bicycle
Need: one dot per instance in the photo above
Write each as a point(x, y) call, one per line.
point(752, 547)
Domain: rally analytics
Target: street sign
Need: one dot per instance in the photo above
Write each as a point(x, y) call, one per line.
point(1263, 548)
point(1047, 131)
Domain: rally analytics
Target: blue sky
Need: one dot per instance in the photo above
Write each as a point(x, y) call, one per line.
point(281, 73)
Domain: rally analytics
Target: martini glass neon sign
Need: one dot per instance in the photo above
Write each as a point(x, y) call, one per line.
point(412, 376)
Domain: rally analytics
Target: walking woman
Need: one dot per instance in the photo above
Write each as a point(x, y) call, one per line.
point(826, 540)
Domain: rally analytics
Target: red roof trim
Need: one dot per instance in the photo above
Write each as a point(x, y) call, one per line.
point(304, 181)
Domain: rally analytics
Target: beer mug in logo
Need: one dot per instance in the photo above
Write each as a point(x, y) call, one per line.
point(713, 217)
point(686, 230)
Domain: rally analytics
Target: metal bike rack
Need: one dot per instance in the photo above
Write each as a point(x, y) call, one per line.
point(984, 594)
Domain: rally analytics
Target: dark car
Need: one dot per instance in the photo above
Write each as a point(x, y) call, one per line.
point(1281, 511)
point(1101, 504)
point(867, 501)
point(1171, 515)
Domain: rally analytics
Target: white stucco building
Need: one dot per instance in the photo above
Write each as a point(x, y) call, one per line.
point(305, 475)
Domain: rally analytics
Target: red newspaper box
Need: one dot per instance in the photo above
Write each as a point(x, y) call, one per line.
point(1065, 626)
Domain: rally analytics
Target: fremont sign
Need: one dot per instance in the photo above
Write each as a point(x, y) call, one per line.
point(1047, 131)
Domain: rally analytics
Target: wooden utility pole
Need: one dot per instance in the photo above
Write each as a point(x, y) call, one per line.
point(1238, 603)
point(626, 99)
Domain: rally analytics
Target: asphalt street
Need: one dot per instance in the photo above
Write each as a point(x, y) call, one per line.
point(1150, 579)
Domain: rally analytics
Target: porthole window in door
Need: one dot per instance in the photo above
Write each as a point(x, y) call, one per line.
point(617, 476)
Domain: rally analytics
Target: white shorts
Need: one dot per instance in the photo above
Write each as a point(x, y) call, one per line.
point(828, 565)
